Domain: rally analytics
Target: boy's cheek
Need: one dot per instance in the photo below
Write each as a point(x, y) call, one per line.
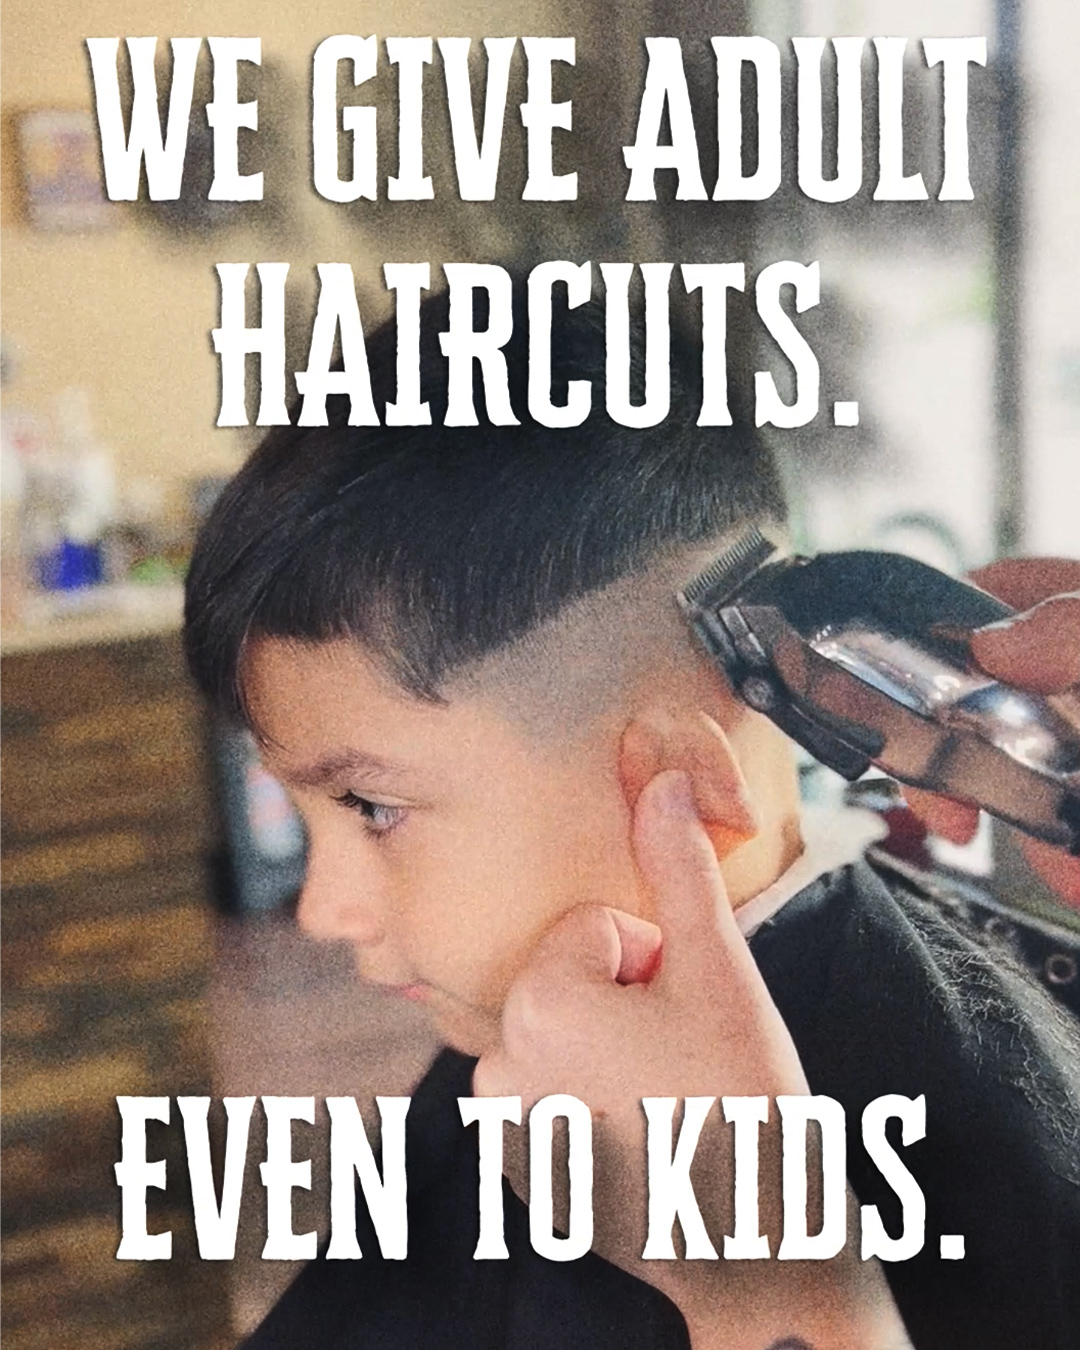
point(499, 880)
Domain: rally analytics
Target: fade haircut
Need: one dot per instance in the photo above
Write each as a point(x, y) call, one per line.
point(434, 546)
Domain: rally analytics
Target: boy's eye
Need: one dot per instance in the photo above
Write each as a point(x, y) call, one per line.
point(376, 817)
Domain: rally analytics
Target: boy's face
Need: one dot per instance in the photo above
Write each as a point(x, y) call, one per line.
point(444, 839)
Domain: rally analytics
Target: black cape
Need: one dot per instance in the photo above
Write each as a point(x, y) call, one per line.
point(884, 990)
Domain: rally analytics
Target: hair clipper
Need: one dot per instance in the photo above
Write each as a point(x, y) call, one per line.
point(862, 657)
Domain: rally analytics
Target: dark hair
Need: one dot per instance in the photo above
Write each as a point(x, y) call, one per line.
point(435, 545)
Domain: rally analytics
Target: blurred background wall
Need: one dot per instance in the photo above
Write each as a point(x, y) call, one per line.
point(146, 858)
point(124, 311)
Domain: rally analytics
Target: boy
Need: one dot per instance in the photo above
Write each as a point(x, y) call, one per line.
point(460, 651)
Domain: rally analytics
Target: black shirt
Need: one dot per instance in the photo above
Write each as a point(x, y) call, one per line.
point(882, 992)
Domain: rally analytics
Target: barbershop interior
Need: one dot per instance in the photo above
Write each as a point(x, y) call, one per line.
point(150, 863)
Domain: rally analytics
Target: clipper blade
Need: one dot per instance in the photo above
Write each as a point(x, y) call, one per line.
point(727, 573)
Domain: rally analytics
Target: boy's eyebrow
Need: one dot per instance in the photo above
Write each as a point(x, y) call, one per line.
point(337, 764)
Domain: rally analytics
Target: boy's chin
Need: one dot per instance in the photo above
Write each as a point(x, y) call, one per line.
point(467, 1030)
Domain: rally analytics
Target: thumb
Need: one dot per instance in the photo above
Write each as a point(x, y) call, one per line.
point(639, 948)
point(677, 862)
point(1037, 650)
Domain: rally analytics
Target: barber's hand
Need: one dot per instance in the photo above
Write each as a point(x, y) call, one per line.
point(613, 1008)
point(1035, 650)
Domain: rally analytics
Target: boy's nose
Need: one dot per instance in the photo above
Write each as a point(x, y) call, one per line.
point(337, 901)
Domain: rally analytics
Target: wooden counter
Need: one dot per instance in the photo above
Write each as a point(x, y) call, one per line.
point(107, 954)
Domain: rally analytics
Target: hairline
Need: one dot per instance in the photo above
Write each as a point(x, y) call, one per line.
point(606, 619)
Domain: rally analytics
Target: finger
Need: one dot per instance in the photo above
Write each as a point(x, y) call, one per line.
point(1024, 582)
point(595, 944)
point(639, 948)
point(1036, 650)
point(489, 1076)
point(678, 864)
point(550, 1013)
point(952, 820)
point(583, 946)
point(1056, 868)
point(495, 1076)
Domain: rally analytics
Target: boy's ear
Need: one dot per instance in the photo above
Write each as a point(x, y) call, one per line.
point(661, 738)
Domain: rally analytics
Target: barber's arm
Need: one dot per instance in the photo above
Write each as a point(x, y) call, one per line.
point(1037, 649)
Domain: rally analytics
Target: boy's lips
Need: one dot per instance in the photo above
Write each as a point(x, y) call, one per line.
point(466, 1028)
point(416, 993)
point(442, 1004)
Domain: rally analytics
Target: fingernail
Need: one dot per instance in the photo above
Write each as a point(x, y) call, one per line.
point(677, 797)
